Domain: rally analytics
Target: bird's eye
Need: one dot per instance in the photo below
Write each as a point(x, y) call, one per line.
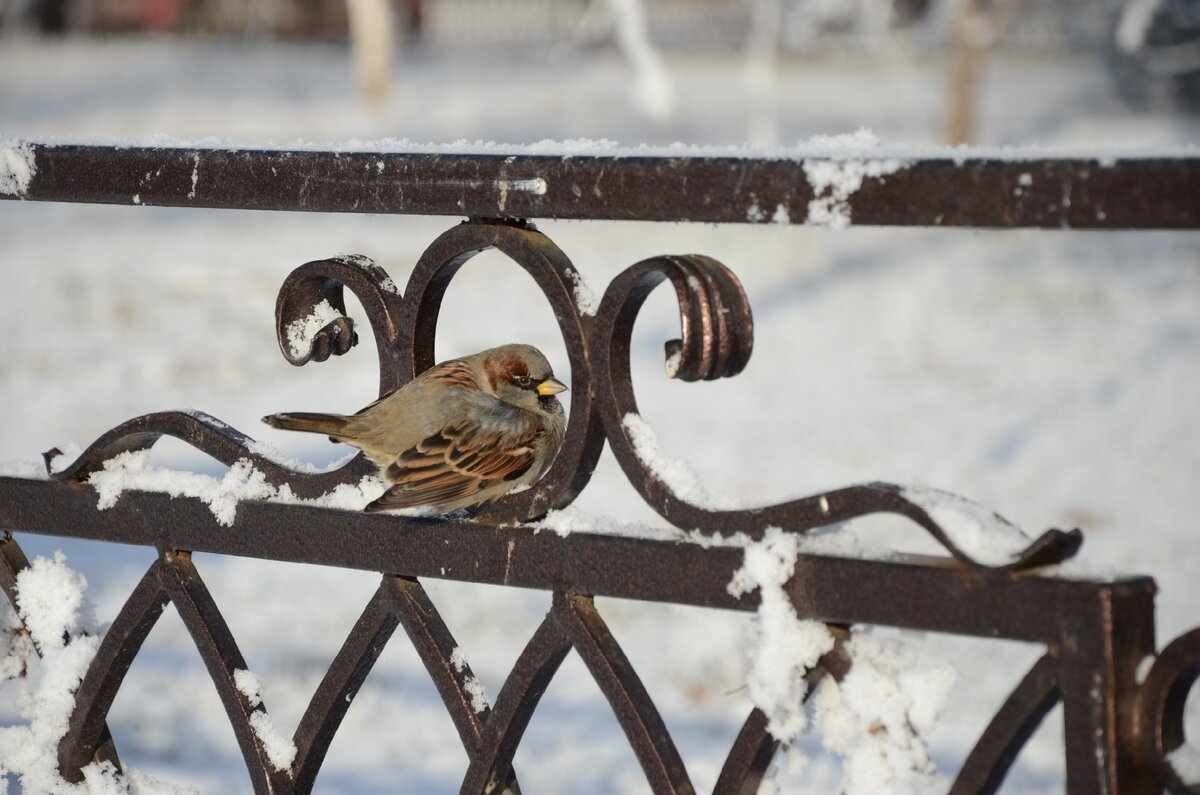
point(523, 381)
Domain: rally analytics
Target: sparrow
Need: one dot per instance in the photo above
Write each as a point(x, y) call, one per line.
point(460, 434)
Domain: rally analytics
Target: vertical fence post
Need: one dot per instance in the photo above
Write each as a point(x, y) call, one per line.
point(1104, 639)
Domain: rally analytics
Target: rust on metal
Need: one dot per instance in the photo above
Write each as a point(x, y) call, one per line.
point(1119, 730)
point(964, 190)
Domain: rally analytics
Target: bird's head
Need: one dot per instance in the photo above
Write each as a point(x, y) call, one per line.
point(521, 375)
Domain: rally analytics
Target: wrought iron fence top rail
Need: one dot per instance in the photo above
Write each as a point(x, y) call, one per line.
point(863, 187)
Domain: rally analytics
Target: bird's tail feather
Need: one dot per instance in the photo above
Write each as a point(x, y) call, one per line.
point(330, 424)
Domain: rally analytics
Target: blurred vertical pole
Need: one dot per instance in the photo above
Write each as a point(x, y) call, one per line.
point(762, 71)
point(372, 41)
point(968, 37)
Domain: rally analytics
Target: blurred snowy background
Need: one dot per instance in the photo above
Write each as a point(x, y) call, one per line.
point(1051, 375)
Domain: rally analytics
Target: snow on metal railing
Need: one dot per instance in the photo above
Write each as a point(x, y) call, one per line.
point(1123, 730)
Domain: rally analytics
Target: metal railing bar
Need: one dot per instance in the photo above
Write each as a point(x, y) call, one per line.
point(962, 190)
point(913, 592)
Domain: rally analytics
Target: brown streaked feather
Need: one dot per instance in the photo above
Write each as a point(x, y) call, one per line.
point(456, 463)
point(455, 373)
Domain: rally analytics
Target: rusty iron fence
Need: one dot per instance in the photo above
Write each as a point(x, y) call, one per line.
point(1120, 726)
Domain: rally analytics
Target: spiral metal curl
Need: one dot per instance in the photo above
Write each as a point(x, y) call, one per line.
point(717, 338)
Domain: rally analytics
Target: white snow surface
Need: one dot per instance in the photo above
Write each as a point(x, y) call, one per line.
point(1047, 375)
point(976, 530)
point(676, 475)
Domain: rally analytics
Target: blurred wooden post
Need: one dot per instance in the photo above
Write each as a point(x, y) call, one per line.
point(372, 40)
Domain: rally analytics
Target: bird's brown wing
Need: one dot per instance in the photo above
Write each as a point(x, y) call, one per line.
point(455, 464)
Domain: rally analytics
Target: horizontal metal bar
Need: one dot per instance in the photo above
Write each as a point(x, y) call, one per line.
point(920, 593)
point(970, 191)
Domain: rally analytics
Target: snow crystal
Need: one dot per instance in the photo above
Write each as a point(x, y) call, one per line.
point(474, 688)
point(472, 685)
point(754, 213)
point(17, 167)
point(980, 533)
point(585, 298)
point(836, 179)
point(281, 752)
point(677, 476)
point(300, 332)
point(248, 685)
point(875, 717)
point(782, 648)
point(1186, 761)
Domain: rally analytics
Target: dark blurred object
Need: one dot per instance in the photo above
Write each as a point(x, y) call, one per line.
point(51, 15)
point(1154, 53)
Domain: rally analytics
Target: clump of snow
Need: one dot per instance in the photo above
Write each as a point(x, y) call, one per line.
point(836, 179)
point(474, 688)
point(1186, 761)
point(50, 597)
point(300, 332)
point(875, 717)
point(277, 456)
point(782, 648)
point(585, 298)
point(677, 476)
point(344, 497)
point(980, 533)
point(781, 216)
point(17, 167)
point(132, 470)
point(573, 519)
point(754, 213)
point(672, 362)
point(281, 752)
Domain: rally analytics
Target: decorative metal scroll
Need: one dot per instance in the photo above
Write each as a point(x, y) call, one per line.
point(716, 341)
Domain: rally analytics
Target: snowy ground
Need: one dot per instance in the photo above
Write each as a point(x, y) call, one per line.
point(1052, 376)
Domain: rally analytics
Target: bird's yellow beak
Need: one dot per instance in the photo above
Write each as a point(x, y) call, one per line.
point(551, 386)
